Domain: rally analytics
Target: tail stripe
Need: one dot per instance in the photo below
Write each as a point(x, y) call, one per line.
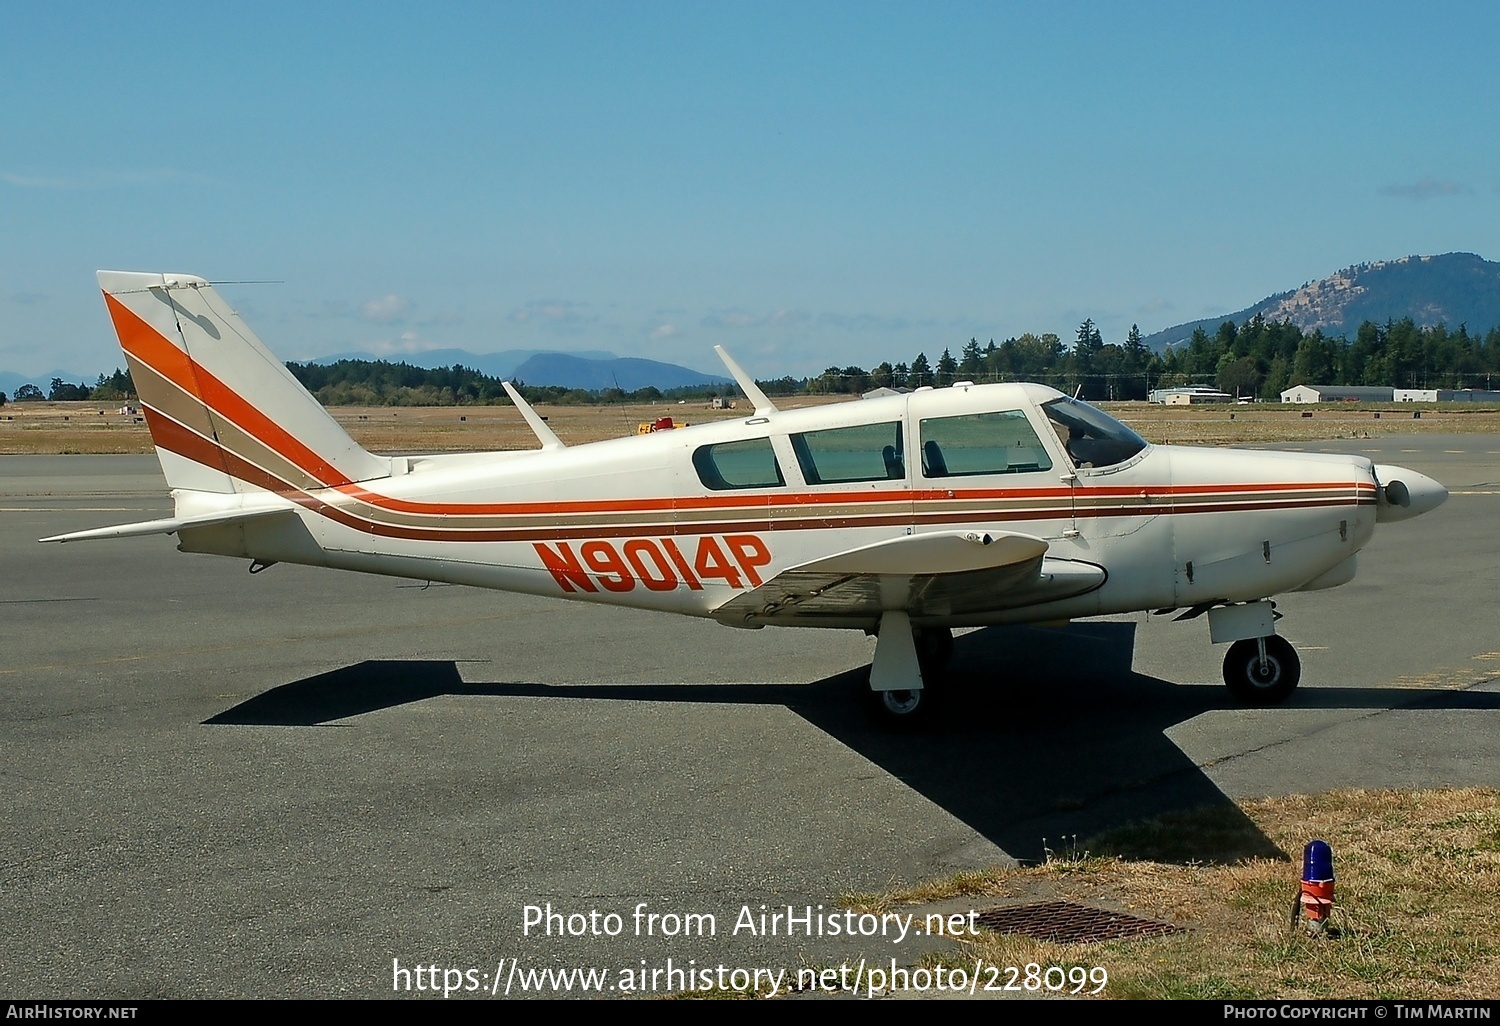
point(147, 345)
point(196, 415)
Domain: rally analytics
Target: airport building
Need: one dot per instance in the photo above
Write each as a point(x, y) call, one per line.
point(1189, 395)
point(1338, 394)
point(1446, 395)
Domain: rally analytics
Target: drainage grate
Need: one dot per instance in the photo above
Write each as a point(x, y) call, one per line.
point(1066, 923)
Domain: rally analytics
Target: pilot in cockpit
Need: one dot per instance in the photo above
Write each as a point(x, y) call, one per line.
point(1078, 446)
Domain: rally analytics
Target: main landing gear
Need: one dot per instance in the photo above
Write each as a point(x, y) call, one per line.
point(908, 666)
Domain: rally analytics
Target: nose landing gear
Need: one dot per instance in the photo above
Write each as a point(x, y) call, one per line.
point(1262, 671)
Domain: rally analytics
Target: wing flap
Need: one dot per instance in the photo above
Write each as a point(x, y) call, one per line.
point(938, 552)
point(947, 574)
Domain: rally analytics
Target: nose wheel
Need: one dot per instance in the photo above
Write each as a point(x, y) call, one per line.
point(1262, 671)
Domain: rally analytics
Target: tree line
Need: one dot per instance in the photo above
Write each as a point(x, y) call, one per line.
point(381, 383)
point(1258, 358)
point(109, 388)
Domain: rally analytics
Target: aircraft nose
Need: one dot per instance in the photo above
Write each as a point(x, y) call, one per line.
point(1405, 494)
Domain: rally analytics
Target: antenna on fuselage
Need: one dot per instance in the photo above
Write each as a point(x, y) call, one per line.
point(763, 406)
point(533, 420)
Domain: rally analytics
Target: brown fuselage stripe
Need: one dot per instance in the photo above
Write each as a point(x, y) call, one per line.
point(200, 395)
point(177, 438)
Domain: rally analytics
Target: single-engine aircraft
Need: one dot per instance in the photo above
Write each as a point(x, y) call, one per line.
point(905, 516)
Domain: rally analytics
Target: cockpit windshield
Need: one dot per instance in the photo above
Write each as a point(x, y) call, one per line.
point(1092, 437)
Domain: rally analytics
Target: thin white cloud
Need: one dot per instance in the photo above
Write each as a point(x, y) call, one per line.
point(34, 182)
point(738, 318)
point(331, 308)
point(385, 309)
point(664, 331)
point(407, 343)
point(868, 322)
point(1426, 187)
point(99, 179)
point(552, 311)
point(731, 319)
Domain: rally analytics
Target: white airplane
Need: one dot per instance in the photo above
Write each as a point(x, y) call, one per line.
point(905, 516)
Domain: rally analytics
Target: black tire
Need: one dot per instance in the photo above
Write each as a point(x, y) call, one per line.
point(902, 710)
point(934, 650)
point(1252, 685)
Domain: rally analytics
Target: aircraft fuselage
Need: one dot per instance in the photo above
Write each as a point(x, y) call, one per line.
point(630, 522)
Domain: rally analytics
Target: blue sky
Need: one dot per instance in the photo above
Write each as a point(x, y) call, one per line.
point(808, 184)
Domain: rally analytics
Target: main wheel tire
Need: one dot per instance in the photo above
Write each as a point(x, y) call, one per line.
point(934, 650)
point(902, 709)
point(1253, 684)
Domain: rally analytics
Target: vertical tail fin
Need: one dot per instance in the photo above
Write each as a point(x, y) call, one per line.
point(225, 414)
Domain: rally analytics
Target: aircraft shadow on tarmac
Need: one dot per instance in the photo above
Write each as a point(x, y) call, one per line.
point(1043, 732)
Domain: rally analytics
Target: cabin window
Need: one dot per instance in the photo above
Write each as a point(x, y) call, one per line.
point(869, 452)
point(1092, 437)
point(747, 464)
point(981, 443)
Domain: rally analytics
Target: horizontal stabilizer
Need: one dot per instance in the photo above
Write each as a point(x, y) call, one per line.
point(171, 525)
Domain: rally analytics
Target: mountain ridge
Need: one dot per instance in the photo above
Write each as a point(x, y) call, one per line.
point(592, 369)
point(1448, 288)
point(501, 364)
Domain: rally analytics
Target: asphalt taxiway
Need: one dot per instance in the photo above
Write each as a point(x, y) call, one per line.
point(218, 784)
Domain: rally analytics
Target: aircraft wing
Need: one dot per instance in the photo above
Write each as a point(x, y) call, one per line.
point(936, 575)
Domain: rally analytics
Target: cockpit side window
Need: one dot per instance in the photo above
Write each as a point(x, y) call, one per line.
point(981, 443)
point(869, 452)
point(1092, 437)
point(730, 465)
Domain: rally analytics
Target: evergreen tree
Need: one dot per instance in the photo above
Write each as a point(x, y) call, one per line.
point(921, 372)
point(947, 369)
point(63, 391)
point(971, 365)
point(1080, 366)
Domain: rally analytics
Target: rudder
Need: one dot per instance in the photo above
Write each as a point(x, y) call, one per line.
point(224, 413)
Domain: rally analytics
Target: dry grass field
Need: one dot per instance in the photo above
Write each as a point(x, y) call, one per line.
point(1274, 422)
point(1416, 914)
point(44, 428)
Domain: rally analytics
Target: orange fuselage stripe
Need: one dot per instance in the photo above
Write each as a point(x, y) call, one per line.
point(146, 344)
